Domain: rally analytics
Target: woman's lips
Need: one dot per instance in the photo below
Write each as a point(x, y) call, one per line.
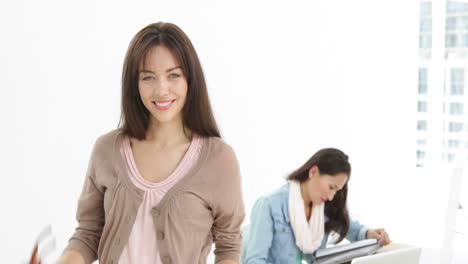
point(163, 105)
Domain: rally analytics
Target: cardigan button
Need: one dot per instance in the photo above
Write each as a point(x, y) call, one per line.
point(156, 212)
point(160, 235)
point(166, 260)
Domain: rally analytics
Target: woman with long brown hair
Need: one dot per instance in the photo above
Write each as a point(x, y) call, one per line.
point(290, 224)
point(162, 187)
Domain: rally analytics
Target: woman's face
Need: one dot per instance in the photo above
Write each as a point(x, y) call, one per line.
point(323, 187)
point(162, 86)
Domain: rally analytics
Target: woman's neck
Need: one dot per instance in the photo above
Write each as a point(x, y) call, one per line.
point(164, 135)
point(305, 195)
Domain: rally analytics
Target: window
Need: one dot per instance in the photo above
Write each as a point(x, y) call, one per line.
point(455, 127)
point(454, 7)
point(420, 154)
point(450, 156)
point(465, 40)
point(422, 88)
point(464, 23)
point(422, 125)
point(456, 108)
point(451, 23)
point(422, 107)
point(425, 25)
point(421, 142)
point(451, 41)
point(426, 8)
point(457, 80)
point(453, 143)
point(425, 41)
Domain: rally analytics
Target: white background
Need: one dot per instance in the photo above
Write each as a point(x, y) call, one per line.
point(285, 79)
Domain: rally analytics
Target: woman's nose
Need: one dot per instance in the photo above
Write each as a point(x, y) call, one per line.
point(161, 88)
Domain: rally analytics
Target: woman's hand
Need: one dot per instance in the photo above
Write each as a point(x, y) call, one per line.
point(380, 234)
point(47, 242)
point(34, 258)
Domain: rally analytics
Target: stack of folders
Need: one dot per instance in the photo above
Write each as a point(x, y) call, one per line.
point(346, 253)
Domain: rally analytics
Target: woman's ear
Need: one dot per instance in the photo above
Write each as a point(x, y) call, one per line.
point(313, 171)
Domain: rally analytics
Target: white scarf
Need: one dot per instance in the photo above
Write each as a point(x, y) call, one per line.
point(308, 235)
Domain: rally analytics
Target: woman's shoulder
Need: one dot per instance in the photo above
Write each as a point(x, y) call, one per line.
point(277, 196)
point(275, 202)
point(110, 135)
point(219, 150)
point(106, 142)
point(218, 144)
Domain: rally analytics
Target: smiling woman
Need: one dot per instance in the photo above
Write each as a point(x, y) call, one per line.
point(162, 62)
point(162, 86)
point(163, 187)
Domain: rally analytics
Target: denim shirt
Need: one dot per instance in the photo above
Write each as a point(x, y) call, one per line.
point(270, 239)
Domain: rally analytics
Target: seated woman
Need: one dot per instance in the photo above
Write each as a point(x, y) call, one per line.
point(290, 224)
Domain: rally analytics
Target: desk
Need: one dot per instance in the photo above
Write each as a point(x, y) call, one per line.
point(432, 255)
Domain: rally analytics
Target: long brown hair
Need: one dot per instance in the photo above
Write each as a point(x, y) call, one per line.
point(197, 113)
point(330, 161)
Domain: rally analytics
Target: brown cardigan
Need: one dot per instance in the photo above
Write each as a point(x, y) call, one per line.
point(205, 206)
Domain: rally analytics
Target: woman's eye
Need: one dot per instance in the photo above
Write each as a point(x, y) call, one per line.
point(331, 187)
point(148, 78)
point(174, 75)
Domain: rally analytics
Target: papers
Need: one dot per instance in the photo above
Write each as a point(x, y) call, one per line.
point(347, 252)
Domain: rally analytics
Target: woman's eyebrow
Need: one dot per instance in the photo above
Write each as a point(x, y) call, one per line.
point(168, 70)
point(171, 69)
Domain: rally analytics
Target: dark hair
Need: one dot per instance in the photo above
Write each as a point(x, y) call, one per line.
point(197, 113)
point(330, 161)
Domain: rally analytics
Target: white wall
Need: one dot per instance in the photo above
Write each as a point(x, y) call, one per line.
point(285, 78)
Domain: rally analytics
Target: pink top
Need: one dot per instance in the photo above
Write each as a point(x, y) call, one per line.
point(142, 244)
